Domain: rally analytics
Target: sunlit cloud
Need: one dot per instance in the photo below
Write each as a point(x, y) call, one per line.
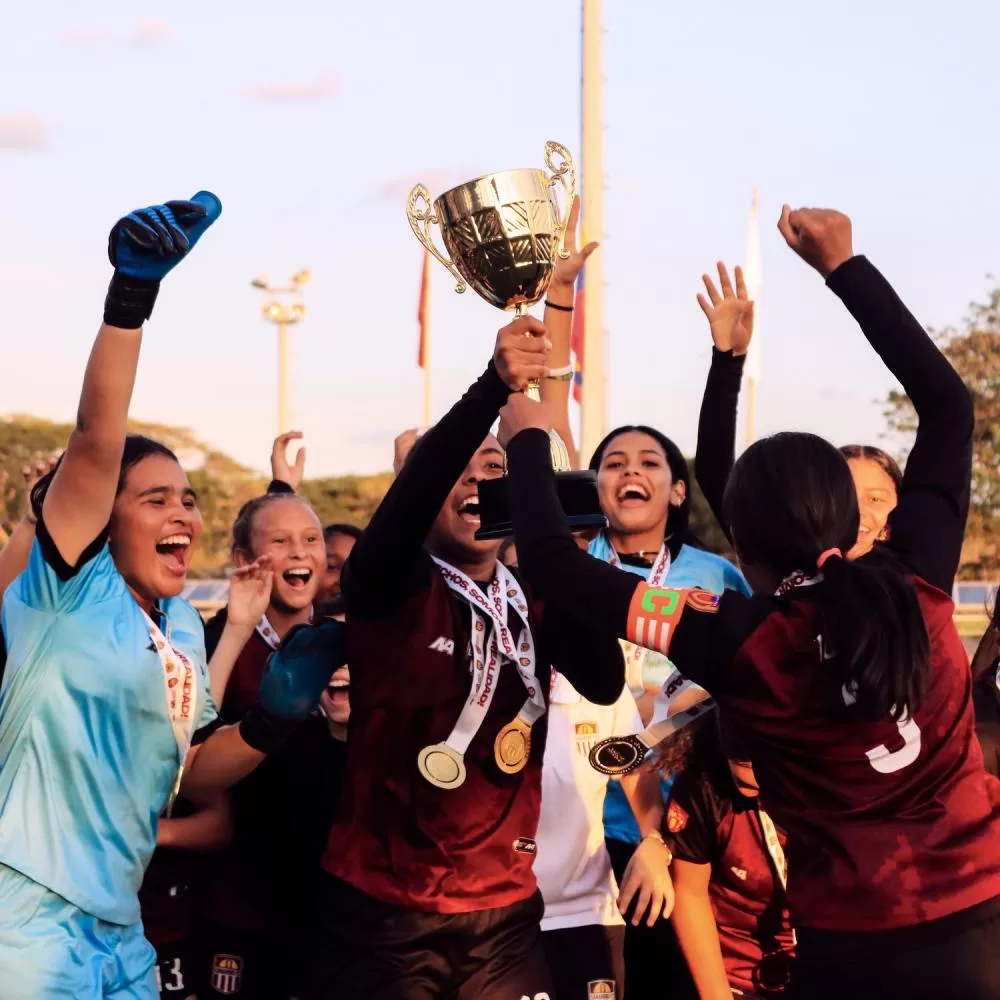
point(321, 88)
point(145, 34)
point(23, 131)
point(151, 32)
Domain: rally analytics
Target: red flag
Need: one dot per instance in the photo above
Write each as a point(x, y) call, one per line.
point(423, 309)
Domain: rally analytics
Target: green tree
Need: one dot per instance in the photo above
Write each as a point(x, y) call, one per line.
point(973, 348)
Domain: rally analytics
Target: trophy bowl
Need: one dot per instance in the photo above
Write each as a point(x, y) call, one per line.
point(502, 233)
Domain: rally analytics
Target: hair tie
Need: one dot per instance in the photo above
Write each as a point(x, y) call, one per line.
point(828, 554)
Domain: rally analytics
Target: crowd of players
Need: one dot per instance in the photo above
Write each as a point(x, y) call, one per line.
point(393, 798)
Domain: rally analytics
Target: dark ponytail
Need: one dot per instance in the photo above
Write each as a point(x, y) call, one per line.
point(790, 500)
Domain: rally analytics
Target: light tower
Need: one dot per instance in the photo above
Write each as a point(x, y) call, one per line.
point(283, 307)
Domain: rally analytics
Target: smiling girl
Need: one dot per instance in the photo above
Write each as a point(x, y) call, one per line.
point(105, 700)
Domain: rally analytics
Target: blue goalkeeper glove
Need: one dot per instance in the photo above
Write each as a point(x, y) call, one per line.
point(145, 246)
point(297, 674)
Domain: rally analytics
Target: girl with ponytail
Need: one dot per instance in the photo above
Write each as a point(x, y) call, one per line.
point(846, 680)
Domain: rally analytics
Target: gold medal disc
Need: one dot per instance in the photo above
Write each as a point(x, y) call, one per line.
point(512, 746)
point(441, 766)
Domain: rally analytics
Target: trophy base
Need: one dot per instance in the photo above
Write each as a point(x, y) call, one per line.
point(577, 497)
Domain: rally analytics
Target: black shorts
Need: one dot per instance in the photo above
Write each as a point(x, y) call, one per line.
point(236, 963)
point(587, 963)
point(177, 970)
point(652, 954)
point(380, 951)
point(955, 957)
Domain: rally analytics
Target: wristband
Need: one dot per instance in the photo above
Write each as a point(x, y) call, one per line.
point(564, 374)
point(552, 305)
point(265, 732)
point(130, 301)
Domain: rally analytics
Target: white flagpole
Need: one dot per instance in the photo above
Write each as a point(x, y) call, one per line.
point(752, 275)
point(592, 405)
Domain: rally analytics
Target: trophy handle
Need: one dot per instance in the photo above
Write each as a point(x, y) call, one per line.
point(559, 160)
point(421, 215)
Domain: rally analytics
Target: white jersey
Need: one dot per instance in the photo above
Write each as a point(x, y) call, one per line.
point(572, 866)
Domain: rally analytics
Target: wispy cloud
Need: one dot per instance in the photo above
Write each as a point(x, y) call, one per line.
point(145, 34)
point(151, 32)
point(321, 88)
point(23, 131)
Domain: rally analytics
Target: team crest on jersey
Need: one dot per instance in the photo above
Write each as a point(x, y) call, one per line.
point(677, 818)
point(586, 737)
point(601, 989)
point(702, 600)
point(227, 974)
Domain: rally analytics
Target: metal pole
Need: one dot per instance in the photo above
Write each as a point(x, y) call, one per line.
point(284, 376)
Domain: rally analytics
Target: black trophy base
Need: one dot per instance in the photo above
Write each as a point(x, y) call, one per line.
point(577, 497)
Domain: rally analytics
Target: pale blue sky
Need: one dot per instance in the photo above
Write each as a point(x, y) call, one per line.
point(885, 109)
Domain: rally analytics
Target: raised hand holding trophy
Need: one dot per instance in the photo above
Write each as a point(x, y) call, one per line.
point(502, 233)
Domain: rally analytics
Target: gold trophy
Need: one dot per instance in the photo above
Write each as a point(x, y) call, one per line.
point(502, 233)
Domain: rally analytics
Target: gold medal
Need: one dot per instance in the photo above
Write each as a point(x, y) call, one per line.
point(512, 746)
point(441, 766)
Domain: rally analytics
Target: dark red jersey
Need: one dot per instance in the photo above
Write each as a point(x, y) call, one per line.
point(709, 823)
point(889, 825)
point(397, 837)
point(281, 816)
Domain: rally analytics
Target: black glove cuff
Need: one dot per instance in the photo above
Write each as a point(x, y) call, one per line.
point(265, 732)
point(130, 301)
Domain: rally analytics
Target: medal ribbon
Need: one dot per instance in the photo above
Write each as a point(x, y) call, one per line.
point(179, 684)
point(775, 850)
point(488, 651)
point(266, 631)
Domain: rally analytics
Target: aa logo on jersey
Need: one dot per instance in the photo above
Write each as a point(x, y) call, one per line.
point(586, 737)
point(677, 818)
point(601, 989)
point(227, 974)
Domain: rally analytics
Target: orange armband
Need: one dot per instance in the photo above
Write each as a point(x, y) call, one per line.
point(654, 612)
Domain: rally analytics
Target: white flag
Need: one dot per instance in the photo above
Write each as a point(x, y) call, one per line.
point(752, 276)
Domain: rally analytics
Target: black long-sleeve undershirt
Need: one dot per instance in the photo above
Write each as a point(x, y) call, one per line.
point(715, 453)
point(386, 565)
point(927, 526)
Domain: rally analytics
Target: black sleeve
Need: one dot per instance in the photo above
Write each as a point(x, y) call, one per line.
point(55, 558)
point(927, 526)
point(595, 596)
point(590, 658)
point(692, 819)
point(716, 450)
point(385, 567)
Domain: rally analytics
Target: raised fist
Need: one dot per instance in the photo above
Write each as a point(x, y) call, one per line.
point(820, 236)
point(149, 242)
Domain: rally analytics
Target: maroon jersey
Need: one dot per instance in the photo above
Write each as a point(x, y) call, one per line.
point(709, 823)
point(397, 837)
point(889, 825)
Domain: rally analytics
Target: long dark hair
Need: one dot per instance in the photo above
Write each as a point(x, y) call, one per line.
point(137, 447)
point(790, 498)
point(677, 517)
